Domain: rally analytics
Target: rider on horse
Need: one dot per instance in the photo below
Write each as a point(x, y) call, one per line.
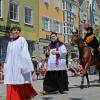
point(92, 41)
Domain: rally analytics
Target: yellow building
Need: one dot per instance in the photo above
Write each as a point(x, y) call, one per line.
point(50, 17)
point(50, 20)
point(22, 13)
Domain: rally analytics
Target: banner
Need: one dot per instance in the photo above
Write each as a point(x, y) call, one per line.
point(91, 12)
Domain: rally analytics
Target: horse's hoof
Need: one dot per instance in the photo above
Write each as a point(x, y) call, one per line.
point(88, 85)
point(81, 86)
point(98, 84)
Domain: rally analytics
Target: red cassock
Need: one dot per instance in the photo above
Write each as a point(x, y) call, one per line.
point(20, 92)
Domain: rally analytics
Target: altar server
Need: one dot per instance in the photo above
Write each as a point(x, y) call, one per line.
point(17, 68)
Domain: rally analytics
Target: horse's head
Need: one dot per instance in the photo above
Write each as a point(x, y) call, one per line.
point(75, 37)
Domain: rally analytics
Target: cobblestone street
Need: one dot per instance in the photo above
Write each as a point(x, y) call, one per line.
point(74, 93)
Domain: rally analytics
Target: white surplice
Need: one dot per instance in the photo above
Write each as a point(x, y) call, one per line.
point(51, 66)
point(18, 65)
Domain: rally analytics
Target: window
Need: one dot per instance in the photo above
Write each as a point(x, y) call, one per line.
point(45, 49)
point(70, 6)
point(68, 14)
point(14, 10)
point(69, 38)
point(65, 29)
point(64, 5)
point(68, 20)
point(65, 15)
point(57, 4)
point(30, 46)
point(68, 30)
point(47, 2)
point(68, 24)
point(46, 23)
point(28, 16)
point(57, 27)
point(65, 24)
point(3, 50)
point(1, 8)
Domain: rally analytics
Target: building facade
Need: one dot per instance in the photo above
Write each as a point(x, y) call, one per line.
point(70, 11)
point(22, 13)
point(50, 20)
point(37, 19)
point(71, 23)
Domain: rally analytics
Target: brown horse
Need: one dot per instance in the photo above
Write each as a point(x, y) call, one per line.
point(87, 59)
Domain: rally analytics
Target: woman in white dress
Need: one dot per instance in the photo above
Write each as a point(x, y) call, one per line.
point(17, 68)
point(56, 78)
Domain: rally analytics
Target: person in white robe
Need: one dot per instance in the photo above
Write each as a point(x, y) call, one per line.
point(56, 78)
point(17, 68)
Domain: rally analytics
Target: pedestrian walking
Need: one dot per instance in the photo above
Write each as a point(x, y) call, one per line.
point(56, 78)
point(17, 68)
point(42, 68)
point(35, 63)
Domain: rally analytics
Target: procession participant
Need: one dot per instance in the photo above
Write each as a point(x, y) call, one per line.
point(17, 68)
point(56, 78)
point(92, 41)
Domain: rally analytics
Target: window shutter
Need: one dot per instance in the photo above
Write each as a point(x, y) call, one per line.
point(57, 4)
point(42, 23)
point(51, 25)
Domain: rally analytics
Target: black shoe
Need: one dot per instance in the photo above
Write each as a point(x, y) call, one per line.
point(61, 92)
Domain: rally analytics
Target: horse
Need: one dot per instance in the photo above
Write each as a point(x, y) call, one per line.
point(86, 57)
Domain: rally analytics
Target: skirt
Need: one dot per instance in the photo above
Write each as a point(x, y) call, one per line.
point(20, 92)
point(56, 81)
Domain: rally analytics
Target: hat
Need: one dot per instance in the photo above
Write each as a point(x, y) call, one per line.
point(89, 28)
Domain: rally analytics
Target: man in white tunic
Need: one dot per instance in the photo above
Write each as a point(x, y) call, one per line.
point(17, 68)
